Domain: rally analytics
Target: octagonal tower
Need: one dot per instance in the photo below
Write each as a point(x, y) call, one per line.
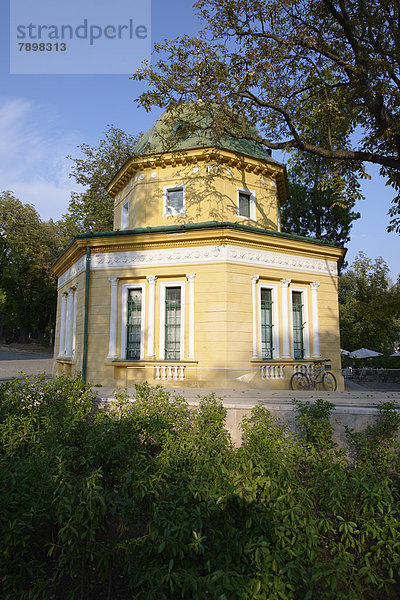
point(197, 285)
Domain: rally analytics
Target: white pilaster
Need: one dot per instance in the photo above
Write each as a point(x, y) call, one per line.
point(190, 277)
point(61, 346)
point(112, 342)
point(74, 320)
point(285, 318)
point(254, 279)
point(68, 323)
point(315, 321)
point(150, 327)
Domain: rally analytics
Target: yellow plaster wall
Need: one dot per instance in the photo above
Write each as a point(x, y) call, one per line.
point(211, 195)
point(223, 323)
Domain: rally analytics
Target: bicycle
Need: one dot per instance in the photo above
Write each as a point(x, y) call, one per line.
point(319, 376)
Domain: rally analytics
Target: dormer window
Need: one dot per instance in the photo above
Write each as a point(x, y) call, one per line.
point(246, 204)
point(174, 201)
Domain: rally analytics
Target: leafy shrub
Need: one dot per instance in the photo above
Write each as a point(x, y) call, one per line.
point(377, 444)
point(314, 421)
point(151, 500)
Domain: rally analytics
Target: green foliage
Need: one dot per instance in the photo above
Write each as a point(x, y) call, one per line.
point(378, 443)
point(308, 74)
point(151, 500)
point(315, 210)
point(369, 306)
point(314, 421)
point(92, 209)
point(28, 247)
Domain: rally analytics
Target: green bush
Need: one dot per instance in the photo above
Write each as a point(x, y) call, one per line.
point(152, 500)
point(377, 444)
point(314, 421)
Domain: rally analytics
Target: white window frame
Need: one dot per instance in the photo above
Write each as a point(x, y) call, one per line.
point(306, 320)
point(125, 214)
point(163, 286)
point(252, 198)
point(124, 316)
point(275, 319)
point(171, 213)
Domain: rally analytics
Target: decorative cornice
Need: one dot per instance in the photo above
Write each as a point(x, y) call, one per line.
point(188, 157)
point(194, 234)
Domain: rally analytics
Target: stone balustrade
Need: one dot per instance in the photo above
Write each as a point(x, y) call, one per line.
point(170, 372)
point(285, 370)
point(308, 369)
point(272, 372)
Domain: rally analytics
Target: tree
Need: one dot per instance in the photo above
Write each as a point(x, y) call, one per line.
point(28, 247)
point(314, 210)
point(369, 306)
point(286, 65)
point(92, 209)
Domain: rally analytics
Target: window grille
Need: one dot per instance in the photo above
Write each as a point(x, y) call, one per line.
point(266, 323)
point(298, 325)
point(173, 323)
point(134, 324)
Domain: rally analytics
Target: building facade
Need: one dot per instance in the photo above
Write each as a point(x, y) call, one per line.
point(197, 285)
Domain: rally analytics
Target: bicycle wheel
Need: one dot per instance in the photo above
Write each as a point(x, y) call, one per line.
point(329, 382)
point(300, 382)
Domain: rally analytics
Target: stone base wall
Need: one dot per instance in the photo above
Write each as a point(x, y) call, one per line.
point(354, 410)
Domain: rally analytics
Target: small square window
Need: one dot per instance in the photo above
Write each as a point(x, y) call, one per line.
point(246, 204)
point(174, 201)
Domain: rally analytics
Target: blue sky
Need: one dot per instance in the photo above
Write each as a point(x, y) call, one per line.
point(43, 118)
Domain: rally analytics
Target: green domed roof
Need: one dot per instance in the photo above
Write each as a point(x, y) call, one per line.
point(190, 126)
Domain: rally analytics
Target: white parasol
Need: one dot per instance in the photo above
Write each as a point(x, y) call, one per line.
point(364, 353)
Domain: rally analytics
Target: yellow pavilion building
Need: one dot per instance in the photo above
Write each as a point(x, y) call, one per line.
point(197, 285)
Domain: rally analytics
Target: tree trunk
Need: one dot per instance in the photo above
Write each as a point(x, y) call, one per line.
point(23, 335)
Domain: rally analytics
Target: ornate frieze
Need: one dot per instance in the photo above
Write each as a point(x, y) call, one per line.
point(70, 273)
point(221, 253)
point(201, 254)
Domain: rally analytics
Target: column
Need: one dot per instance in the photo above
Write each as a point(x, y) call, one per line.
point(61, 347)
point(254, 279)
point(315, 322)
point(190, 277)
point(112, 342)
point(68, 323)
point(285, 318)
point(150, 327)
point(74, 310)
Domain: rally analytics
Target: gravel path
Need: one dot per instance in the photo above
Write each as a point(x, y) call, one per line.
point(14, 361)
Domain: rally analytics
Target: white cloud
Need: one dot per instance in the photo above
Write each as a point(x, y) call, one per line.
point(33, 147)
